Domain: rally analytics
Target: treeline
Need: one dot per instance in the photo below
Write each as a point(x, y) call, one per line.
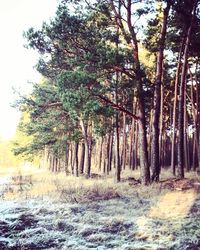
point(121, 88)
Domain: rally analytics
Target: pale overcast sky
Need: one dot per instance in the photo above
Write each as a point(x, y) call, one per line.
point(16, 62)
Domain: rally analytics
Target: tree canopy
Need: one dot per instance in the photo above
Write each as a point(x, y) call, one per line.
point(111, 69)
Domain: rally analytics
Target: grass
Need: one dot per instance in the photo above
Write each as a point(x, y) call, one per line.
point(27, 183)
point(41, 210)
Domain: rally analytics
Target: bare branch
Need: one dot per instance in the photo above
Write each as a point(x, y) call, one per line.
point(117, 107)
point(118, 20)
point(124, 71)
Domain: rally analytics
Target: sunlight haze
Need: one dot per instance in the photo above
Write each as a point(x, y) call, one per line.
point(16, 62)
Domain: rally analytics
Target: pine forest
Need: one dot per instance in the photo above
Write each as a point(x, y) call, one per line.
point(114, 123)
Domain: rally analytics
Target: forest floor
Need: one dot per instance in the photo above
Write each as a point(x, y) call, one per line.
point(43, 211)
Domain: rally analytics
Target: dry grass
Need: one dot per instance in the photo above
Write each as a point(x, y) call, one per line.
point(48, 211)
point(40, 183)
point(29, 182)
point(28, 185)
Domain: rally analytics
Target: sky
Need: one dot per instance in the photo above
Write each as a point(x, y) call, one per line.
point(16, 62)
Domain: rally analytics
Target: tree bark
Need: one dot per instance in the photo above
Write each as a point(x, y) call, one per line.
point(117, 151)
point(161, 125)
point(124, 139)
point(66, 158)
point(180, 167)
point(143, 149)
point(185, 126)
point(131, 151)
point(88, 147)
point(100, 152)
point(82, 158)
point(196, 151)
point(174, 109)
point(76, 158)
point(108, 153)
point(155, 160)
point(111, 152)
point(131, 39)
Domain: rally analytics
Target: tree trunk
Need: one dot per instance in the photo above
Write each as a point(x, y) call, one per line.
point(131, 39)
point(155, 160)
point(117, 151)
point(186, 158)
point(136, 157)
point(174, 110)
point(108, 154)
point(144, 166)
point(88, 151)
point(161, 125)
point(196, 146)
point(100, 153)
point(66, 159)
point(180, 167)
point(124, 142)
point(111, 152)
point(71, 159)
point(76, 158)
point(50, 162)
point(143, 149)
point(82, 159)
point(131, 152)
point(88, 146)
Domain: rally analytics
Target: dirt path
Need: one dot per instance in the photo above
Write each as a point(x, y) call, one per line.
point(170, 215)
point(176, 204)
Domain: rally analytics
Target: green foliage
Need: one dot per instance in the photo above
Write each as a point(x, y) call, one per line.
point(80, 52)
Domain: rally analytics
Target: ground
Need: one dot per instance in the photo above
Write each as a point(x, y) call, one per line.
point(43, 211)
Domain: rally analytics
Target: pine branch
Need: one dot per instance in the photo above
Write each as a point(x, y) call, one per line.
point(116, 106)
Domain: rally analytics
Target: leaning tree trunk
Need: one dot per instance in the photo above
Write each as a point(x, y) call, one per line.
point(155, 160)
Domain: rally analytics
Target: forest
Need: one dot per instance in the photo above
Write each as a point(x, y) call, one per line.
point(113, 129)
point(120, 89)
